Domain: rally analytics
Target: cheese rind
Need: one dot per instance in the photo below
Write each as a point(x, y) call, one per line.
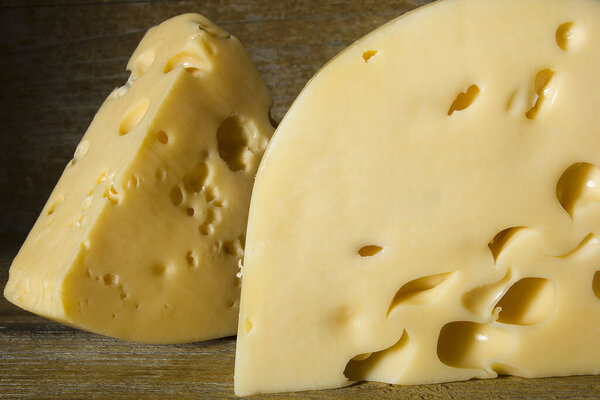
point(428, 209)
point(142, 235)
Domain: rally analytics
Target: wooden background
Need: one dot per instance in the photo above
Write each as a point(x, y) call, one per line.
point(58, 61)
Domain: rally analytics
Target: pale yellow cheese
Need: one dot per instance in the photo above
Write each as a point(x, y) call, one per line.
point(142, 236)
point(376, 245)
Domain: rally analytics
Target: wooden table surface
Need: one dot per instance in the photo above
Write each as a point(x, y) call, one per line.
point(58, 61)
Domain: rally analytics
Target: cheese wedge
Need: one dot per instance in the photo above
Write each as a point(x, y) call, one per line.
point(429, 208)
point(142, 236)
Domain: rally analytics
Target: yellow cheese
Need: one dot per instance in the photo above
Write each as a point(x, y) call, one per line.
point(428, 209)
point(142, 235)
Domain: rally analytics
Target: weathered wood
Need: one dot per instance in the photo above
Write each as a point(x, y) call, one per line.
point(58, 61)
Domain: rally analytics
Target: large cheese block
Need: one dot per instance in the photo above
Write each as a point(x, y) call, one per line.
point(142, 236)
point(429, 208)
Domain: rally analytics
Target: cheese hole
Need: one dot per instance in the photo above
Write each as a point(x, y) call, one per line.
point(133, 117)
point(81, 150)
point(465, 344)
point(544, 92)
point(465, 99)
point(111, 193)
point(86, 203)
point(420, 291)
point(206, 228)
point(195, 180)
point(361, 366)
point(529, 301)
point(596, 284)
point(210, 193)
point(134, 181)
point(248, 325)
point(101, 178)
point(57, 202)
point(232, 142)
point(176, 196)
point(578, 186)
point(123, 296)
point(502, 239)
point(160, 174)
point(162, 137)
point(369, 251)
point(565, 35)
point(143, 63)
point(191, 259)
point(366, 55)
point(194, 64)
point(212, 29)
point(110, 279)
point(159, 269)
point(233, 248)
point(190, 211)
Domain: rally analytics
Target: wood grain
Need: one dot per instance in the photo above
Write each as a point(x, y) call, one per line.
point(58, 61)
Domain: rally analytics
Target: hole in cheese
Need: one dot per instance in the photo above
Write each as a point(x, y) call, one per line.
point(190, 211)
point(565, 34)
point(424, 290)
point(232, 141)
point(133, 116)
point(503, 238)
point(369, 251)
point(191, 259)
point(194, 64)
point(57, 202)
point(210, 193)
point(195, 180)
point(160, 174)
point(142, 63)
point(596, 284)
point(206, 228)
point(361, 366)
point(176, 196)
point(368, 54)
point(578, 186)
point(464, 344)
point(162, 137)
point(248, 325)
point(465, 99)
point(544, 92)
point(110, 279)
point(528, 301)
point(111, 193)
point(81, 150)
point(134, 181)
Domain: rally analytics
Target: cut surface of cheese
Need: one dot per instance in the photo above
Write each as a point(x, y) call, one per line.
point(429, 208)
point(142, 235)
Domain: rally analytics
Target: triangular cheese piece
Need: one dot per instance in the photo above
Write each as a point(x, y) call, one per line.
point(142, 235)
point(428, 209)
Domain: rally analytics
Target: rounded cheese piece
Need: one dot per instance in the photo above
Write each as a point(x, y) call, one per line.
point(429, 208)
point(142, 236)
